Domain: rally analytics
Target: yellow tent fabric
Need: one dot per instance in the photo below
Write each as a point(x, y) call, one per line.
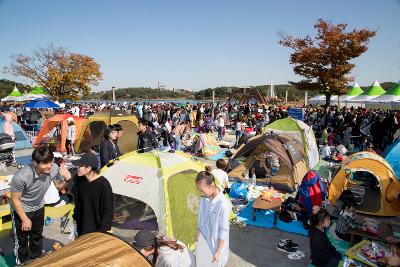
point(94, 249)
point(93, 130)
point(373, 164)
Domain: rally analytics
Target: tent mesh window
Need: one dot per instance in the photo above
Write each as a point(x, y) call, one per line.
point(132, 214)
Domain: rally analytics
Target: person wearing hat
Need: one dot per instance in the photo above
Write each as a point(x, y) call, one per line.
point(70, 139)
point(93, 197)
point(163, 251)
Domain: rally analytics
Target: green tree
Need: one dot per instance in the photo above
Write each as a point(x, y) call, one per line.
point(64, 74)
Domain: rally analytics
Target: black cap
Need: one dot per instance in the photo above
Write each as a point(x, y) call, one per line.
point(87, 159)
point(143, 239)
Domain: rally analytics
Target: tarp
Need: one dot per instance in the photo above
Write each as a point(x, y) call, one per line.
point(164, 181)
point(299, 131)
point(22, 140)
point(94, 249)
point(54, 130)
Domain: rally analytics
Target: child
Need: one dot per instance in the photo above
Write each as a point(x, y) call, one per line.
point(213, 218)
point(323, 253)
point(70, 139)
point(346, 221)
point(220, 175)
point(393, 259)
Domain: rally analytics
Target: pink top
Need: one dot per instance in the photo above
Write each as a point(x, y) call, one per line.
point(8, 127)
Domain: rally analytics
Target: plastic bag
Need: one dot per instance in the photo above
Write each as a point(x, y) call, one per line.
point(238, 190)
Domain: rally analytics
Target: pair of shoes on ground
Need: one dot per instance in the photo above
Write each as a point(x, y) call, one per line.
point(288, 246)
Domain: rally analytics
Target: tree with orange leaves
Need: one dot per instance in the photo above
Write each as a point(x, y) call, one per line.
point(65, 74)
point(324, 61)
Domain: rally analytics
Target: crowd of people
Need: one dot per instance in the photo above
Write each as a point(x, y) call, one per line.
point(339, 132)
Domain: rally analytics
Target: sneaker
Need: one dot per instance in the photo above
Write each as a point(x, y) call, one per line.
point(288, 242)
point(286, 248)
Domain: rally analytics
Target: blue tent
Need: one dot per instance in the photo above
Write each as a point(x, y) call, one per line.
point(22, 140)
point(41, 103)
point(392, 155)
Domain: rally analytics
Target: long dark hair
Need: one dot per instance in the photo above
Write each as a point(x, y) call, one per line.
point(161, 241)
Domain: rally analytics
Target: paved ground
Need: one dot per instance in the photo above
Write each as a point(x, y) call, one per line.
point(249, 246)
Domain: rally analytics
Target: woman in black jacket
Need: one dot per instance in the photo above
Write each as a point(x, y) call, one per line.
point(109, 149)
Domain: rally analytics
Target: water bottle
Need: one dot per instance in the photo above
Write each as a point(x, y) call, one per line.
point(253, 179)
point(246, 177)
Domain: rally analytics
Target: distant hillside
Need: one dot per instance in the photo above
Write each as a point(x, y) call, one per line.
point(6, 86)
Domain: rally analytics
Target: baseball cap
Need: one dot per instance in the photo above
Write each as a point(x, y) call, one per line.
point(87, 159)
point(143, 239)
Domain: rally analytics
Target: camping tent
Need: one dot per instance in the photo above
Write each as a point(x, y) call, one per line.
point(93, 130)
point(392, 155)
point(94, 249)
point(386, 100)
point(164, 181)
point(22, 140)
point(301, 132)
point(54, 130)
point(373, 91)
point(290, 154)
point(371, 175)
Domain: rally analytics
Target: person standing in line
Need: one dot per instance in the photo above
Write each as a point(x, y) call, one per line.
point(28, 187)
point(213, 217)
point(93, 197)
point(70, 139)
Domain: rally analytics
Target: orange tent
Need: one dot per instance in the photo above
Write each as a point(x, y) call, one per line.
point(54, 131)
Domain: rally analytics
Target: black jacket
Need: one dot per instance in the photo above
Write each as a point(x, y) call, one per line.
point(93, 210)
point(109, 150)
point(322, 250)
point(147, 141)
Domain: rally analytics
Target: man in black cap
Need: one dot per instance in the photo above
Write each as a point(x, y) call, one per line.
point(93, 197)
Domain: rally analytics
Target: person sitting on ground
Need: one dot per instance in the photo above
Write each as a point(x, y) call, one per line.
point(273, 162)
point(260, 167)
point(346, 221)
point(323, 253)
point(326, 152)
point(165, 252)
point(221, 176)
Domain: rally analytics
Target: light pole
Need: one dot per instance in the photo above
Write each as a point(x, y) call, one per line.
point(113, 94)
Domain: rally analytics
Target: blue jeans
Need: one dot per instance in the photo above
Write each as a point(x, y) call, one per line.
point(219, 129)
point(238, 135)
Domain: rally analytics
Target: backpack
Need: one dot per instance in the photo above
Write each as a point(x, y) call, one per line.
point(311, 191)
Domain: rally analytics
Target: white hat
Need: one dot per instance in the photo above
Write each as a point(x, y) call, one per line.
point(70, 119)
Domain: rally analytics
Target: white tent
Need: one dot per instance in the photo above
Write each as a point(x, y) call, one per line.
point(321, 99)
point(385, 101)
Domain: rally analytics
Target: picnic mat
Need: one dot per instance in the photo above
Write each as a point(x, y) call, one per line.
point(7, 261)
point(265, 218)
point(24, 160)
point(220, 155)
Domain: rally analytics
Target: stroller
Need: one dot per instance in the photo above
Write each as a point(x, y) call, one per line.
point(7, 151)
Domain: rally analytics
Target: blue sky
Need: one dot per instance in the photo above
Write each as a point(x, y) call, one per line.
point(195, 44)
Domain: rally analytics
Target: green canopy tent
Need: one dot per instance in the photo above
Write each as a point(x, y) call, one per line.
point(386, 100)
point(35, 93)
point(373, 91)
point(15, 95)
